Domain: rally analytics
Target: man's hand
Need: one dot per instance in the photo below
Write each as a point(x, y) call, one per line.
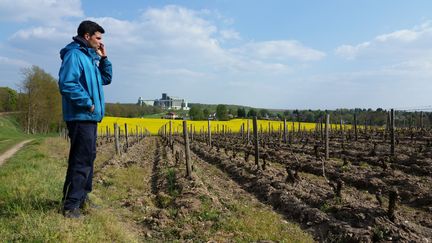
point(101, 51)
point(92, 109)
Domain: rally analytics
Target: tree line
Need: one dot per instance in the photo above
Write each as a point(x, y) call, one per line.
point(37, 105)
point(39, 102)
point(130, 110)
point(367, 117)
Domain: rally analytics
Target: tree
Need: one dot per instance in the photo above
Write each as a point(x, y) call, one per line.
point(241, 112)
point(231, 112)
point(251, 113)
point(196, 113)
point(222, 112)
point(264, 113)
point(40, 103)
point(8, 99)
point(206, 113)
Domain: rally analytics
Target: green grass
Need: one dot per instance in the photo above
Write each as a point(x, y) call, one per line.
point(158, 115)
point(31, 188)
point(10, 133)
point(30, 193)
point(251, 224)
point(364, 165)
point(172, 184)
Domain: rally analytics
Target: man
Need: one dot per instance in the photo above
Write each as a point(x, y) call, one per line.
point(84, 69)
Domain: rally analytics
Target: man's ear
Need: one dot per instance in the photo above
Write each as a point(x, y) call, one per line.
point(87, 36)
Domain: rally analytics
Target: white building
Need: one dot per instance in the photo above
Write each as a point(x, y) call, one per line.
point(171, 103)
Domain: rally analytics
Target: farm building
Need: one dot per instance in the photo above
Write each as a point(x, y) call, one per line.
point(166, 102)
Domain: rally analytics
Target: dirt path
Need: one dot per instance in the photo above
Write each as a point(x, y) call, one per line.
point(6, 155)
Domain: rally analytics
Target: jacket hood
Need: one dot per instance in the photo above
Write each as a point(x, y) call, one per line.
point(78, 43)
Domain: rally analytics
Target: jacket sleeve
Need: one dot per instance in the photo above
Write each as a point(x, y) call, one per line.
point(69, 81)
point(105, 68)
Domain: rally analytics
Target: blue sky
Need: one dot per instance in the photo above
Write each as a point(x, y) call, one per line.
point(272, 54)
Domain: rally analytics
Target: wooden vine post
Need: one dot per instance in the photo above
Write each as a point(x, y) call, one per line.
point(170, 133)
point(126, 136)
point(256, 142)
point(392, 132)
point(209, 133)
point(421, 120)
point(187, 150)
point(107, 133)
point(342, 134)
point(248, 131)
point(327, 124)
point(355, 127)
point(116, 139)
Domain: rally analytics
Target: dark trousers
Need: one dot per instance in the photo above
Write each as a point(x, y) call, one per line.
point(79, 175)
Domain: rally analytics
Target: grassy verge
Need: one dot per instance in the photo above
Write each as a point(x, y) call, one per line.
point(10, 134)
point(30, 192)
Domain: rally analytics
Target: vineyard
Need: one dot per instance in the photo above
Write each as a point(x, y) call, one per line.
point(339, 183)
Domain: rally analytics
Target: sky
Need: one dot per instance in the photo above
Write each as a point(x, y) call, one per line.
point(280, 54)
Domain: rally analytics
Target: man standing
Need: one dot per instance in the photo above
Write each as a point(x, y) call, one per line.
point(84, 69)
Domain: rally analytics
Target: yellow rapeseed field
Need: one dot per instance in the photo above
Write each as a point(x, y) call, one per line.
point(152, 125)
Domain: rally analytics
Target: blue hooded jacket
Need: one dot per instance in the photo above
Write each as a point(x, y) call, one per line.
point(81, 76)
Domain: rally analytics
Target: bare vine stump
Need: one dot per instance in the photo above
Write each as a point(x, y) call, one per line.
point(339, 185)
point(316, 151)
point(393, 197)
point(378, 196)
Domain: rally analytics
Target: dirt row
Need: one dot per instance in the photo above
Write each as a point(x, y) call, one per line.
point(358, 212)
point(163, 205)
point(365, 173)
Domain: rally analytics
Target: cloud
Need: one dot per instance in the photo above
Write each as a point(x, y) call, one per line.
point(400, 35)
point(40, 32)
point(46, 11)
point(399, 45)
point(281, 50)
point(166, 36)
point(230, 35)
point(13, 62)
point(172, 48)
point(169, 36)
point(350, 52)
point(181, 72)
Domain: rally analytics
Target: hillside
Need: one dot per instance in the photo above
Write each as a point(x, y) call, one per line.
point(10, 132)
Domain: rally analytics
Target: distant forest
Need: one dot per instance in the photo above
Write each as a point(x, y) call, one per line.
point(376, 117)
point(130, 110)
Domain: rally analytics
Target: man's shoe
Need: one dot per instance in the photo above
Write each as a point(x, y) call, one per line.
point(72, 213)
point(87, 203)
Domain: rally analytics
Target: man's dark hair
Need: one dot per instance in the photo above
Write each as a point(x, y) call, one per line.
point(89, 27)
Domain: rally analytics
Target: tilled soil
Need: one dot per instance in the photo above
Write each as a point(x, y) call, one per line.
point(345, 199)
point(149, 187)
point(355, 215)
